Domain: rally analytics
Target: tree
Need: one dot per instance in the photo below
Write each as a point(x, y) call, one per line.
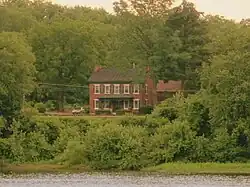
point(17, 72)
point(15, 20)
point(192, 31)
point(65, 54)
point(225, 80)
point(142, 8)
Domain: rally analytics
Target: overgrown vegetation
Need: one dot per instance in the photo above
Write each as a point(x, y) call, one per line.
point(42, 42)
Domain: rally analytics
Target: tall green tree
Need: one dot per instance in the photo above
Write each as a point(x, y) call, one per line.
point(192, 31)
point(225, 80)
point(17, 72)
point(157, 8)
point(65, 54)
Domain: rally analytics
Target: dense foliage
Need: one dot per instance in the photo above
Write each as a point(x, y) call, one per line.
point(44, 46)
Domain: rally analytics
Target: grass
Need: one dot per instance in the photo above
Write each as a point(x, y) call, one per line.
point(201, 168)
point(89, 118)
point(42, 168)
point(169, 168)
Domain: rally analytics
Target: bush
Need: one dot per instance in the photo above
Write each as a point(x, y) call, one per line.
point(86, 109)
point(103, 112)
point(223, 147)
point(169, 108)
point(50, 105)
point(171, 143)
point(40, 107)
point(197, 114)
point(146, 110)
point(129, 120)
point(115, 146)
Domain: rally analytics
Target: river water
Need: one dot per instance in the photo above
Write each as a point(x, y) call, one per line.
point(124, 180)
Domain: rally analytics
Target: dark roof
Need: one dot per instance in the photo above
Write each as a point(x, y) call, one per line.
point(106, 75)
point(170, 86)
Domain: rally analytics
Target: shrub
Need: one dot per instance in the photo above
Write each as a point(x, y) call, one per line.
point(86, 109)
point(171, 143)
point(146, 110)
point(169, 108)
point(50, 105)
point(5, 149)
point(129, 120)
point(115, 146)
point(197, 114)
point(40, 107)
point(103, 112)
point(223, 147)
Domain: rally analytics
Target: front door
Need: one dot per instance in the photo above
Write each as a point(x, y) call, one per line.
point(116, 105)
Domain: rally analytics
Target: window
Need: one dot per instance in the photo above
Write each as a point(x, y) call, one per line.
point(126, 104)
point(146, 89)
point(146, 102)
point(106, 104)
point(97, 88)
point(136, 88)
point(116, 89)
point(107, 88)
point(96, 104)
point(136, 104)
point(126, 88)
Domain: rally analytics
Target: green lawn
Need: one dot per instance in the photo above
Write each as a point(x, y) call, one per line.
point(169, 168)
point(90, 118)
point(201, 168)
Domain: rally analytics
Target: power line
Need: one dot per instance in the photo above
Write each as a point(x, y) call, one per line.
point(63, 85)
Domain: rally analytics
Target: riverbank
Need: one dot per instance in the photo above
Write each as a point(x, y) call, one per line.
point(168, 168)
point(201, 168)
point(42, 168)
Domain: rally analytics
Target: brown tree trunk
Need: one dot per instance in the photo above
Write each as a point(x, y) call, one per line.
point(61, 101)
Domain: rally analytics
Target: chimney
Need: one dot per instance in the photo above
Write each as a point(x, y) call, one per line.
point(97, 68)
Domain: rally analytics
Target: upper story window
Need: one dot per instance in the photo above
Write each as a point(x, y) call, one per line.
point(146, 89)
point(97, 88)
point(116, 89)
point(126, 88)
point(136, 88)
point(107, 88)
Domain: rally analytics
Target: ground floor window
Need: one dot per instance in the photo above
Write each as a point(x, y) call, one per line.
point(106, 105)
point(96, 104)
point(126, 104)
point(136, 104)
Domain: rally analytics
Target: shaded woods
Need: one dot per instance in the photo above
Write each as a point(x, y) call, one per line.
point(42, 42)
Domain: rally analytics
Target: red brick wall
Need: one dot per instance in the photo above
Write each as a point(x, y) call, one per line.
point(141, 96)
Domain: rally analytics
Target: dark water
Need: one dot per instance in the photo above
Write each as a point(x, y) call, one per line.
point(116, 180)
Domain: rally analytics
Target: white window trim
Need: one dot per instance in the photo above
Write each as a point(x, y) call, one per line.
point(105, 91)
point(105, 107)
point(126, 85)
point(135, 85)
point(134, 104)
point(95, 100)
point(97, 85)
point(125, 108)
point(146, 88)
point(117, 85)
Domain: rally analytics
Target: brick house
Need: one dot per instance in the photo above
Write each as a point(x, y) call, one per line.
point(167, 89)
point(113, 90)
